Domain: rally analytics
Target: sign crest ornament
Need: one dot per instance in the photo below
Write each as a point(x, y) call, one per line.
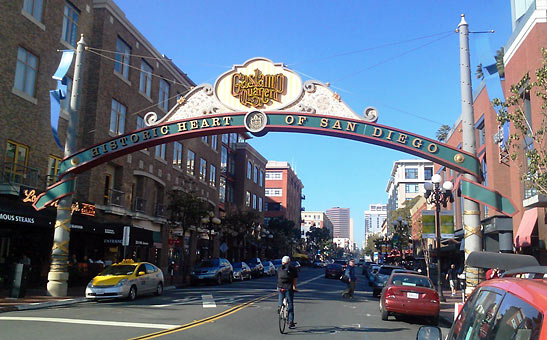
point(255, 121)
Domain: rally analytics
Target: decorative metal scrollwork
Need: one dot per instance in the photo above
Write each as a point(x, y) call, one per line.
point(150, 118)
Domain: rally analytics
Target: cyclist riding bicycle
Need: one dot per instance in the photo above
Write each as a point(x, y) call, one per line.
point(287, 276)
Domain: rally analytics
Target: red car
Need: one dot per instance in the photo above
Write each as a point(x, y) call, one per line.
point(410, 294)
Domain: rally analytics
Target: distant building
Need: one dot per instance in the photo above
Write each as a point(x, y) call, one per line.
point(340, 218)
point(374, 217)
point(317, 219)
point(283, 192)
point(407, 181)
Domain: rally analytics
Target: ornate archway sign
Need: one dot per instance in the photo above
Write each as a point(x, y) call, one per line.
point(260, 96)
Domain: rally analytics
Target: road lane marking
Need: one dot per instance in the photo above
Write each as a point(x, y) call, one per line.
point(88, 322)
point(215, 317)
point(208, 301)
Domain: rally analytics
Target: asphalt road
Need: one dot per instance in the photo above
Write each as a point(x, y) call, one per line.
point(241, 310)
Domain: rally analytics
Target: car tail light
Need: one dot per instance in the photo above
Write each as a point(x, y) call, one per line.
point(390, 293)
point(433, 297)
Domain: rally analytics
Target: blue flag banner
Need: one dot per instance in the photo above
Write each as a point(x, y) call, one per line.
point(486, 56)
point(60, 93)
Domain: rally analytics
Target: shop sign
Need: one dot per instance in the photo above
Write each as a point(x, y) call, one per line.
point(30, 196)
point(17, 218)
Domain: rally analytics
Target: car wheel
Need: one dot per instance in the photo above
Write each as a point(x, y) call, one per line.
point(219, 279)
point(159, 289)
point(435, 320)
point(385, 313)
point(132, 293)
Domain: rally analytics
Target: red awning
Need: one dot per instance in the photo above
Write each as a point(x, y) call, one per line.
point(523, 238)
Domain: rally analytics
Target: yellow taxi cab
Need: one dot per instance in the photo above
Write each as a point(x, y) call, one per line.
point(126, 279)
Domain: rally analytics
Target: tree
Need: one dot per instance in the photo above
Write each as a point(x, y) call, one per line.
point(186, 209)
point(499, 62)
point(442, 133)
point(479, 73)
point(401, 234)
point(242, 222)
point(372, 240)
point(527, 143)
point(317, 240)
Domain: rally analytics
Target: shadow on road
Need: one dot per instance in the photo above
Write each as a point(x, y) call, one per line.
point(335, 329)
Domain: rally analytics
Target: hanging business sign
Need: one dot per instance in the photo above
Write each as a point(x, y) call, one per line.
point(446, 224)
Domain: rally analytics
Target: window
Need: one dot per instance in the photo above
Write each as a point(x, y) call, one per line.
point(255, 174)
point(140, 123)
point(121, 65)
point(117, 118)
point(233, 140)
point(231, 164)
point(477, 316)
point(222, 189)
point(190, 162)
point(212, 175)
point(481, 133)
point(65, 103)
point(15, 162)
point(260, 204)
point(411, 188)
point(145, 85)
point(160, 151)
point(205, 139)
point(261, 181)
point(34, 8)
point(230, 192)
point(52, 169)
point(411, 173)
point(249, 169)
point(516, 319)
point(177, 154)
point(214, 142)
point(274, 192)
point(223, 159)
point(254, 201)
point(202, 169)
point(225, 138)
point(163, 101)
point(107, 184)
point(70, 24)
point(273, 206)
point(247, 198)
point(274, 175)
point(25, 71)
point(428, 173)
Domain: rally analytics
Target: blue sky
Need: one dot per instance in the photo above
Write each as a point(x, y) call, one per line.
point(401, 57)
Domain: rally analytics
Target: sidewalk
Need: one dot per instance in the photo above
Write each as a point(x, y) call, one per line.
point(38, 298)
point(446, 314)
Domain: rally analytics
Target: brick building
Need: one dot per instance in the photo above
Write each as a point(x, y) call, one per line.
point(283, 192)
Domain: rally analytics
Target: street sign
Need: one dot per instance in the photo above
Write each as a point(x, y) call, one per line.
point(125, 239)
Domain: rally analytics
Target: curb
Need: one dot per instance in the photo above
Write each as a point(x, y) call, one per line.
point(55, 303)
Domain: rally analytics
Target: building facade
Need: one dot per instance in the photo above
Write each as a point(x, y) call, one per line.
point(283, 192)
point(374, 217)
point(407, 181)
point(317, 219)
point(340, 218)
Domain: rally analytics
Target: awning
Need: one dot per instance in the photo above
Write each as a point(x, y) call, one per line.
point(523, 238)
point(503, 261)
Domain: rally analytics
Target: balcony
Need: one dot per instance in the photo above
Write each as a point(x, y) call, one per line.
point(160, 210)
point(14, 175)
point(139, 205)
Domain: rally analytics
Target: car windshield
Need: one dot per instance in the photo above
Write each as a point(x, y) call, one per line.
point(385, 270)
point(125, 269)
point(209, 263)
point(276, 261)
point(342, 262)
point(334, 266)
point(252, 261)
point(237, 265)
point(413, 281)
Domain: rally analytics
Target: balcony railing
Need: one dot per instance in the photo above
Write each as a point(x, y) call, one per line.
point(160, 210)
point(16, 174)
point(139, 205)
point(115, 198)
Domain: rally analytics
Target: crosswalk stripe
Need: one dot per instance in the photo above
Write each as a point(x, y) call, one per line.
point(208, 301)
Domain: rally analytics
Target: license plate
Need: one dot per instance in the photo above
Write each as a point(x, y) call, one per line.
point(412, 295)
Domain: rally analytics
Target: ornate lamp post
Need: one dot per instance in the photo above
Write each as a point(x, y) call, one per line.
point(210, 222)
point(434, 195)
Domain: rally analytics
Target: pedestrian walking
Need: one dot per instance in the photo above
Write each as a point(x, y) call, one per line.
point(352, 280)
point(452, 277)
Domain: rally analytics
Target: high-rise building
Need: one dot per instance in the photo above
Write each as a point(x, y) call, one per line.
point(340, 218)
point(374, 217)
point(283, 192)
point(407, 181)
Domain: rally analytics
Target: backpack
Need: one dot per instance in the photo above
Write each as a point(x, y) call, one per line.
point(284, 275)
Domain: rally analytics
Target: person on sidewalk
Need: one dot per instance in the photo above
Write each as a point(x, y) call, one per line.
point(350, 273)
point(452, 277)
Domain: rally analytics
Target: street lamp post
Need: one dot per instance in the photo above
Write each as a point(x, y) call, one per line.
point(434, 195)
point(210, 221)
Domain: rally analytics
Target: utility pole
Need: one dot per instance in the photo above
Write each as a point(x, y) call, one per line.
point(58, 273)
point(471, 212)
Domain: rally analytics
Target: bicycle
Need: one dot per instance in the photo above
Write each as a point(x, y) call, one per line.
point(283, 314)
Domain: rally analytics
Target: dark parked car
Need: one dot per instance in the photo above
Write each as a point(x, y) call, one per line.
point(380, 279)
point(216, 270)
point(269, 268)
point(334, 270)
point(296, 264)
point(257, 269)
point(366, 267)
point(241, 271)
point(276, 263)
